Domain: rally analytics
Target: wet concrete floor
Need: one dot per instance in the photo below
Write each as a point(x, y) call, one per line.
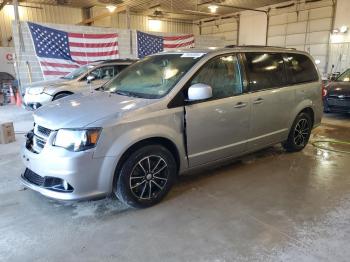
point(268, 206)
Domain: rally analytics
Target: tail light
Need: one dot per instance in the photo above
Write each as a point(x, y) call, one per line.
point(324, 90)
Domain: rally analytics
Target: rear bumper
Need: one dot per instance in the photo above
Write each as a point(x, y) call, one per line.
point(339, 106)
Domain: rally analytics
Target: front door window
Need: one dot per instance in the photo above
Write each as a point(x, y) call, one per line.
point(223, 75)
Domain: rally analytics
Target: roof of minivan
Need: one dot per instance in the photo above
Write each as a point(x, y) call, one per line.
point(243, 48)
point(112, 61)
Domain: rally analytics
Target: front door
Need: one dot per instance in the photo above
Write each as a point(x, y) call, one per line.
point(218, 128)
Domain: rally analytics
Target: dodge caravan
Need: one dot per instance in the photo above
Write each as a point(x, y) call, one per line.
point(168, 114)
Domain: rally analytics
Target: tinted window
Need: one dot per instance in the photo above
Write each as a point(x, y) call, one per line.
point(265, 70)
point(222, 74)
point(106, 73)
point(301, 68)
point(344, 77)
point(78, 72)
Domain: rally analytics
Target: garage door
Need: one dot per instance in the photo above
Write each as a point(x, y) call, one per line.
point(306, 30)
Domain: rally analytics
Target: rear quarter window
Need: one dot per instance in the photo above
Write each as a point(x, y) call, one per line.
point(301, 69)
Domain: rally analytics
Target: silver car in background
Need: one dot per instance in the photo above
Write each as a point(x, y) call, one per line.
point(168, 114)
point(86, 77)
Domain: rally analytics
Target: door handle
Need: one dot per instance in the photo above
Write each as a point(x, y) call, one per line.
point(258, 101)
point(240, 105)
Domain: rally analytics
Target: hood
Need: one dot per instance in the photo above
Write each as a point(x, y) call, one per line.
point(339, 88)
point(46, 83)
point(80, 110)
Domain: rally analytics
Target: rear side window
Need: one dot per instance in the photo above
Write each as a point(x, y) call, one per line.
point(301, 69)
point(265, 70)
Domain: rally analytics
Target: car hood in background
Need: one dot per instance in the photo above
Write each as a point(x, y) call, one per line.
point(339, 88)
point(80, 110)
point(73, 86)
point(46, 83)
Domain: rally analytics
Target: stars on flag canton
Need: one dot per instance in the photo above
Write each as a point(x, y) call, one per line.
point(148, 44)
point(49, 42)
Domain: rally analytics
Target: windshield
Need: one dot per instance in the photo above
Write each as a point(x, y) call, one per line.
point(78, 72)
point(344, 77)
point(152, 77)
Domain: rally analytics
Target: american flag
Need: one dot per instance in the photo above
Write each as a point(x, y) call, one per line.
point(60, 52)
point(148, 44)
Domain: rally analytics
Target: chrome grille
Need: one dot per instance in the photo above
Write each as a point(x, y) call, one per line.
point(41, 135)
point(44, 131)
point(39, 142)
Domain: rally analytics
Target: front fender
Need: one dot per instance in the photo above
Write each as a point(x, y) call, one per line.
point(115, 140)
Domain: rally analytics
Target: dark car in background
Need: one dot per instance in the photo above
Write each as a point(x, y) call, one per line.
point(336, 94)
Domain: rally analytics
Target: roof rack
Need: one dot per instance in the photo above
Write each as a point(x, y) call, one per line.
point(266, 46)
point(114, 60)
point(117, 60)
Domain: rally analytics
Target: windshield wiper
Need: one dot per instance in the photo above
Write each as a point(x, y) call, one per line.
point(126, 93)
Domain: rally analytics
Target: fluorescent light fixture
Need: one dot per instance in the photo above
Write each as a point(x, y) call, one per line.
point(337, 38)
point(154, 25)
point(343, 29)
point(213, 8)
point(111, 8)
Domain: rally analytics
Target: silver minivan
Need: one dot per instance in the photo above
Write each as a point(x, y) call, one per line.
point(168, 114)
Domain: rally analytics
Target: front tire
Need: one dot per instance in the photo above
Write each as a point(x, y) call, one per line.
point(299, 134)
point(146, 176)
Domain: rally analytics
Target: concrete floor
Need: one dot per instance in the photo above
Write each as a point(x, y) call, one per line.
point(270, 206)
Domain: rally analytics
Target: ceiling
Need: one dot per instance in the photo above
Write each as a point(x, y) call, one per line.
point(169, 8)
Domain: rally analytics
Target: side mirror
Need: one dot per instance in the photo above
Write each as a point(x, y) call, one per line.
point(90, 78)
point(199, 91)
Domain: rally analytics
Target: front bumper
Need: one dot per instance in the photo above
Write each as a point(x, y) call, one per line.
point(36, 101)
point(88, 176)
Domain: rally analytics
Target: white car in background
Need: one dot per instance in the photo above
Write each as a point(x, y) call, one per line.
point(82, 79)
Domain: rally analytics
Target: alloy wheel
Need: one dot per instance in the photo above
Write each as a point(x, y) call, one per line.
point(149, 177)
point(301, 132)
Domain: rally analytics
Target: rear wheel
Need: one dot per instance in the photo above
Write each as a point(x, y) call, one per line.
point(146, 176)
point(299, 134)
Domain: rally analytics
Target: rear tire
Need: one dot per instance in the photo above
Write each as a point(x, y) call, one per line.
point(146, 176)
point(299, 133)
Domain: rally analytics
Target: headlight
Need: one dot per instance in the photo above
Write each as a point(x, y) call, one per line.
point(35, 90)
point(77, 139)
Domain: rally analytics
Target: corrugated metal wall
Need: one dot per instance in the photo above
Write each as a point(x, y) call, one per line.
point(339, 57)
point(140, 22)
point(224, 28)
point(46, 14)
point(306, 27)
